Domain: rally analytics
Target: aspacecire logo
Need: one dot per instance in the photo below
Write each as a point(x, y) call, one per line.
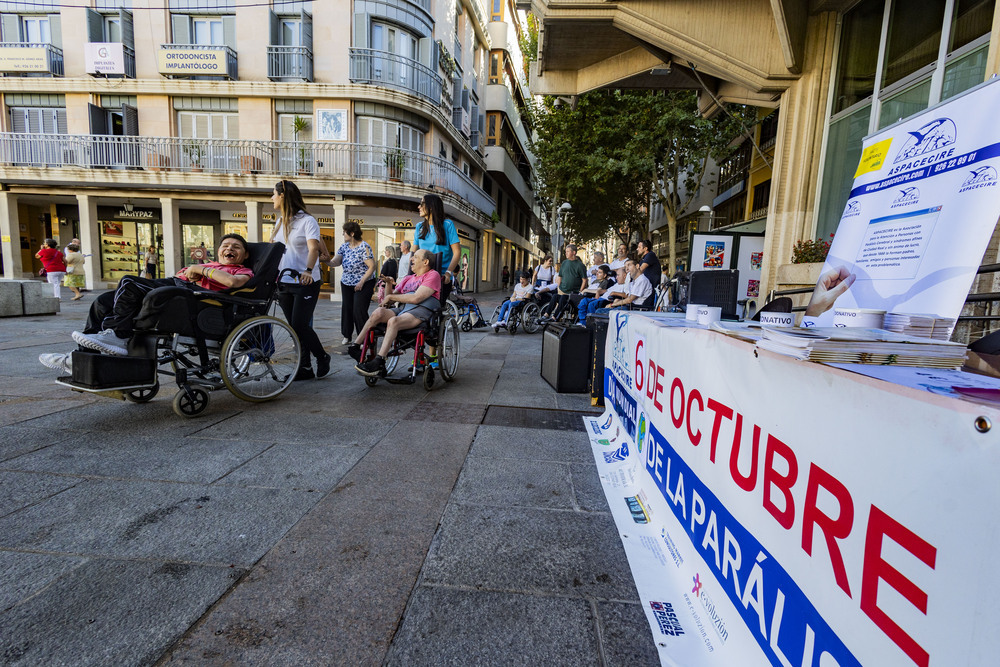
point(666, 618)
point(853, 209)
point(933, 136)
point(906, 197)
point(984, 177)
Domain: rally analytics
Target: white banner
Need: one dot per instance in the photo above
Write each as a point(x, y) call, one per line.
point(104, 57)
point(783, 513)
point(922, 209)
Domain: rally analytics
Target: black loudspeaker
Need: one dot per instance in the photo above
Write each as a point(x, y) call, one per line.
point(716, 288)
point(566, 358)
point(597, 324)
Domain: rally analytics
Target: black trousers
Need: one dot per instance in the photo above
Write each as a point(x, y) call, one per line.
point(116, 310)
point(354, 308)
point(298, 303)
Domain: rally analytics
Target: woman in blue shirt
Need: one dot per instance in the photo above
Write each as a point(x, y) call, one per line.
point(437, 233)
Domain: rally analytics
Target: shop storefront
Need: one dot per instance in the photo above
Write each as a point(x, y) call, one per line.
point(125, 236)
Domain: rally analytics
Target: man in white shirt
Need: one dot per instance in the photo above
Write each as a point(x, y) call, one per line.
point(404, 261)
point(592, 279)
point(638, 287)
point(619, 261)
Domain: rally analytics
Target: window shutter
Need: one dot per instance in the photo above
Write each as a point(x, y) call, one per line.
point(128, 29)
point(180, 28)
point(10, 28)
point(98, 119)
point(361, 31)
point(130, 120)
point(307, 30)
point(18, 120)
point(229, 31)
point(55, 30)
point(95, 26)
point(275, 28)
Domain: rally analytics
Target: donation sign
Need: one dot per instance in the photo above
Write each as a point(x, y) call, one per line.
point(790, 514)
point(922, 209)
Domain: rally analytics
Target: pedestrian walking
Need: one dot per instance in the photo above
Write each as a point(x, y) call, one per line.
point(357, 280)
point(74, 270)
point(53, 264)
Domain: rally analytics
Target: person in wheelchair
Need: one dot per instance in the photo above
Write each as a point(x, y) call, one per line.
point(572, 277)
point(418, 296)
point(110, 322)
point(637, 290)
point(512, 307)
point(595, 295)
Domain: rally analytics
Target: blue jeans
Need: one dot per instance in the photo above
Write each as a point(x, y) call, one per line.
point(589, 306)
point(506, 308)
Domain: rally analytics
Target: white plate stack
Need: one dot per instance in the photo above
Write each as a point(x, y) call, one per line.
point(921, 325)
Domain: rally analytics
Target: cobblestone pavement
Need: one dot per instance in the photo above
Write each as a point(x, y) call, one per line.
point(338, 524)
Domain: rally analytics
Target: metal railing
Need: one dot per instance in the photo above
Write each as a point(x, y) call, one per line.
point(231, 62)
point(394, 71)
point(289, 63)
point(53, 56)
point(322, 159)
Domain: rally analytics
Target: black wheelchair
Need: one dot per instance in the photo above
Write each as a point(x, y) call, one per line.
point(522, 316)
point(204, 340)
point(439, 331)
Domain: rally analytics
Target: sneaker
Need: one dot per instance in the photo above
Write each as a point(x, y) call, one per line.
point(346, 341)
point(57, 361)
point(304, 373)
point(354, 351)
point(372, 368)
point(496, 327)
point(322, 366)
point(106, 341)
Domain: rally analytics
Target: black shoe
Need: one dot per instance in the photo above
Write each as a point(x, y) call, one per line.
point(372, 368)
point(304, 373)
point(354, 350)
point(322, 366)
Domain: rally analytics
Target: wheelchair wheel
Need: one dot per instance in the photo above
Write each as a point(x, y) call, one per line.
point(259, 359)
point(429, 378)
point(190, 403)
point(370, 381)
point(142, 395)
point(448, 350)
point(467, 325)
point(529, 317)
point(512, 325)
point(496, 315)
point(449, 309)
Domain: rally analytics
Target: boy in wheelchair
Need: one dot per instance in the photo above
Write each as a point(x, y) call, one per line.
point(512, 307)
point(110, 322)
point(418, 296)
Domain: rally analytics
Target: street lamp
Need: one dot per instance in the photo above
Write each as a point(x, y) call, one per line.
point(561, 213)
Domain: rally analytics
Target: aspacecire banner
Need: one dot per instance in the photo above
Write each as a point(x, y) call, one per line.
point(778, 512)
point(922, 209)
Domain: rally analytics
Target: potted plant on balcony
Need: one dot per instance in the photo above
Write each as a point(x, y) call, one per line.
point(195, 154)
point(300, 125)
point(395, 161)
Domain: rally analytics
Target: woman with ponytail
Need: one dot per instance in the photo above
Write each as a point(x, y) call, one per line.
point(437, 233)
point(297, 296)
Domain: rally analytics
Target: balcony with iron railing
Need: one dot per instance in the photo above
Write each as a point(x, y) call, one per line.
point(394, 71)
point(323, 159)
point(201, 61)
point(21, 58)
point(289, 63)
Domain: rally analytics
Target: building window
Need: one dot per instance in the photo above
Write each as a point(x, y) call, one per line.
point(496, 10)
point(761, 195)
point(35, 29)
point(208, 125)
point(207, 31)
point(38, 120)
point(493, 124)
point(496, 57)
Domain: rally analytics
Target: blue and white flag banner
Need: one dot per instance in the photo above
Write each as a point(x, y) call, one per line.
point(922, 209)
point(782, 513)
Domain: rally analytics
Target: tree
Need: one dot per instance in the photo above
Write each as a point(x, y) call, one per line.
point(614, 152)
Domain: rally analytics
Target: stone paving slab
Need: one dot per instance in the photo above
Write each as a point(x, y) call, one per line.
point(20, 489)
point(123, 456)
point(537, 445)
point(18, 440)
point(571, 563)
point(27, 574)
point(108, 612)
point(515, 483)
point(297, 467)
point(303, 429)
point(186, 522)
point(497, 628)
point(625, 635)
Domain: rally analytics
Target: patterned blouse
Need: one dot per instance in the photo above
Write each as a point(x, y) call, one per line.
point(353, 267)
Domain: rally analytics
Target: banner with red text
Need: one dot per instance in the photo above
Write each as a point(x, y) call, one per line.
point(785, 513)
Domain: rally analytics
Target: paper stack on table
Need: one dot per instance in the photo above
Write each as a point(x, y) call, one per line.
point(921, 325)
point(862, 346)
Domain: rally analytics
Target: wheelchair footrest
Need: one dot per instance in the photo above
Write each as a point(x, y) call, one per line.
point(406, 379)
point(102, 372)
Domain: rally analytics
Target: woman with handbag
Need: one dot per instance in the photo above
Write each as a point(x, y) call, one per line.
point(74, 270)
point(298, 295)
point(53, 264)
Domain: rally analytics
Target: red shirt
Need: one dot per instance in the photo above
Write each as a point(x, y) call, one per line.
point(234, 269)
point(52, 260)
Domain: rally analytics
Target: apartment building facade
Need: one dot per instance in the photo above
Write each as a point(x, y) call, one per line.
point(166, 123)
